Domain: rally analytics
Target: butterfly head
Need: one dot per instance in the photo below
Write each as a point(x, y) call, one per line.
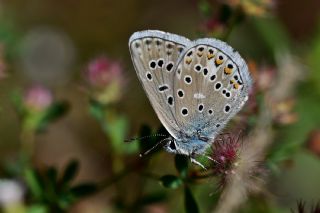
point(190, 147)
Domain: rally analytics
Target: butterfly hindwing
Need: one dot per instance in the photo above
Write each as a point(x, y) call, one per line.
point(155, 55)
point(214, 81)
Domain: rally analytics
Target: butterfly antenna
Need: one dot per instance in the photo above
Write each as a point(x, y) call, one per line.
point(155, 146)
point(145, 137)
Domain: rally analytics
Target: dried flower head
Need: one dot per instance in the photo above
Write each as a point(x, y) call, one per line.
point(105, 77)
point(38, 98)
point(225, 155)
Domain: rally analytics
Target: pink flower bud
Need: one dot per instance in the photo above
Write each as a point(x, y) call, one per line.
point(102, 71)
point(38, 98)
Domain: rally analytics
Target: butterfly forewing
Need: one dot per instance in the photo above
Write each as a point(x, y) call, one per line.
point(211, 85)
point(155, 56)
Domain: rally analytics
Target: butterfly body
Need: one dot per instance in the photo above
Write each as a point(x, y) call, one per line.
point(195, 87)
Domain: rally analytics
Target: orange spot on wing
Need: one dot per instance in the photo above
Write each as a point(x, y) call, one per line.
point(209, 56)
point(218, 61)
point(227, 71)
point(188, 60)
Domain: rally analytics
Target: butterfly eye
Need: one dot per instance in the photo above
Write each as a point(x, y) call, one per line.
point(172, 145)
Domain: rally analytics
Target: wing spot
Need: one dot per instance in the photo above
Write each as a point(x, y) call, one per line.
point(228, 69)
point(152, 64)
point(227, 108)
point(205, 71)
point(210, 111)
point(213, 77)
point(163, 88)
point(200, 51)
point(180, 49)
point(169, 45)
point(217, 86)
point(158, 42)
point(228, 94)
point(137, 44)
point(160, 62)
point(147, 41)
point(188, 79)
point(188, 60)
point(217, 125)
point(189, 53)
point(219, 60)
point(169, 66)
point(180, 93)
point(210, 54)
point(149, 76)
point(197, 67)
point(200, 107)
point(184, 111)
point(170, 100)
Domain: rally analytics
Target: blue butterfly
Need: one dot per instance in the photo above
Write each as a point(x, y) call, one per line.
point(195, 87)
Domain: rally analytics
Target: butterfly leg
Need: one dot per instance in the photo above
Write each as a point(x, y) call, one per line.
point(197, 163)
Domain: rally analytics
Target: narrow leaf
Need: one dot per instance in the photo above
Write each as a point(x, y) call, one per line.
point(70, 172)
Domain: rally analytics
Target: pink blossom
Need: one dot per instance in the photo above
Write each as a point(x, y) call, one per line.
point(38, 98)
point(102, 71)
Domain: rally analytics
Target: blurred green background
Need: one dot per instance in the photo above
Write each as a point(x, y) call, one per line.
point(49, 45)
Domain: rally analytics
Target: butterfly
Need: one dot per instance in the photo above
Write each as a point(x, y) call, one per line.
point(195, 87)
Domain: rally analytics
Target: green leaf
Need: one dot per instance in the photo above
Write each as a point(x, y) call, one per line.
point(189, 201)
point(54, 112)
point(33, 182)
point(70, 172)
point(83, 190)
point(37, 208)
point(171, 181)
point(181, 163)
